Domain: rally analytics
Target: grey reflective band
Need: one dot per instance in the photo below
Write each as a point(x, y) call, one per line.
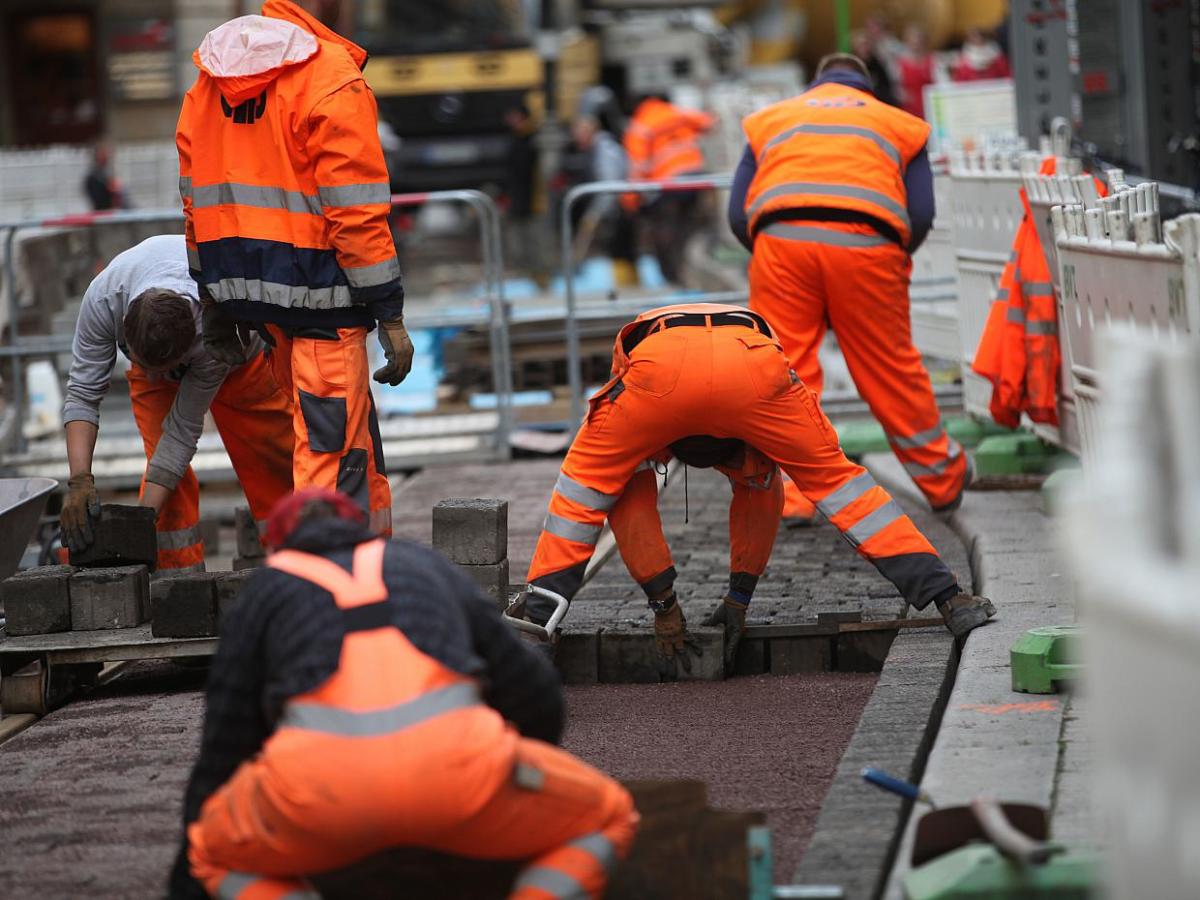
point(580, 532)
point(257, 195)
point(1015, 314)
point(177, 540)
point(589, 497)
point(1038, 289)
point(918, 470)
point(1041, 328)
point(850, 191)
point(193, 256)
point(597, 846)
point(845, 495)
point(285, 295)
point(233, 884)
point(377, 722)
point(557, 884)
point(374, 275)
point(355, 194)
point(838, 131)
point(185, 186)
point(1002, 294)
point(816, 235)
point(873, 523)
point(921, 438)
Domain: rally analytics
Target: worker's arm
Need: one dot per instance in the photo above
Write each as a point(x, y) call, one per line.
point(918, 183)
point(742, 176)
point(753, 518)
point(637, 528)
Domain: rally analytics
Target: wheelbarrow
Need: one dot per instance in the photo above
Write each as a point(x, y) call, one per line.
point(22, 502)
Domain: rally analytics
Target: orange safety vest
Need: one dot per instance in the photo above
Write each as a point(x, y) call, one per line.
point(377, 712)
point(833, 147)
point(284, 186)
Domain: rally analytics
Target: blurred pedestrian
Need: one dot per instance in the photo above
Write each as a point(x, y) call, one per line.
point(881, 79)
point(981, 59)
point(103, 189)
point(916, 70)
point(601, 218)
point(519, 187)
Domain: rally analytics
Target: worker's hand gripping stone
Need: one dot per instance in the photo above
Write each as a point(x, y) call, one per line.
point(225, 340)
point(80, 507)
point(672, 638)
point(730, 615)
point(398, 348)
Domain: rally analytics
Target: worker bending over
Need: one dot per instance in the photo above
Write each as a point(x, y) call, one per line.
point(144, 304)
point(285, 198)
point(719, 372)
point(833, 194)
point(367, 696)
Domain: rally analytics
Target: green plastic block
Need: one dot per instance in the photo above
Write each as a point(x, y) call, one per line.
point(1013, 454)
point(860, 438)
point(971, 432)
point(1043, 656)
point(979, 871)
point(1060, 484)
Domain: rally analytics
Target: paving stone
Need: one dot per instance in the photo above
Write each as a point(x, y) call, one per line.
point(752, 658)
point(471, 532)
point(184, 606)
point(109, 598)
point(632, 656)
point(791, 656)
point(577, 657)
point(124, 536)
point(38, 601)
point(863, 651)
point(210, 535)
point(491, 579)
point(249, 542)
point(241, 563)
point(228, 587)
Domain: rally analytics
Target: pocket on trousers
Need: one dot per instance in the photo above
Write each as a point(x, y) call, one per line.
point(656, 365)
point(768, 367)
point(329, 360)
point(325, 421)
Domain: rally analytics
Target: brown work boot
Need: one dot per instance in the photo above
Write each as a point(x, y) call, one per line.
point(965, 612)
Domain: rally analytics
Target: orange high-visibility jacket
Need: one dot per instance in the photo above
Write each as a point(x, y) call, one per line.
point(833, 147)
point(661, 140)
point(285, 191)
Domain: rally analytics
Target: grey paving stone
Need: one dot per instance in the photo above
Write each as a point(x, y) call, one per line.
point(184, 606)
point(241, 563)
point(109, 598)
point(632, 656)
point(228, 588)
point(492, 580)
point(249, 543)
point(38, 601)
point(210, 535)
point(124, 536)
point(471, 532)
point(791, 656)
point(577, 657)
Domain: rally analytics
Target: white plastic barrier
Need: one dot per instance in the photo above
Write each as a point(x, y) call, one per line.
point(933, 288)
point(1132, 539)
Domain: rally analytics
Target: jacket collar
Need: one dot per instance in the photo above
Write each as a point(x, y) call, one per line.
point(845, 78)
point(290, 12)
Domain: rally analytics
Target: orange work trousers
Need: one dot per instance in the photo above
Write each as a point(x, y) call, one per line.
point(727, 381)
point(254, 418)
point(256, 837)
point(338, 445)
point(806, 277)
point(753, 523)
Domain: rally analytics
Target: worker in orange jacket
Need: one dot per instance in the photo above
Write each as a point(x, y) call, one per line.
point(833, 194)
point(713, 373)
point(286, 197)
point(662, 143)
point(367, 696)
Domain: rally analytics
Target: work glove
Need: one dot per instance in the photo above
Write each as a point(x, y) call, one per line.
point(673, 641)
point(225, 340)
point(81, 505)
point(398, 348)
point(731, 615)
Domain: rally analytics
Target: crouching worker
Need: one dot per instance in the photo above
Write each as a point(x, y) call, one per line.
point(145, 304)
point(366, 696)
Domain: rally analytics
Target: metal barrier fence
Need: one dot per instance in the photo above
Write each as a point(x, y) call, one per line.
point(592, 189)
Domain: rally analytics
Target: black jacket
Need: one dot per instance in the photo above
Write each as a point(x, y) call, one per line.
point(284, 638)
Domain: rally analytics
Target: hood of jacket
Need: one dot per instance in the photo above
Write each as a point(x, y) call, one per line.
point(246, 54)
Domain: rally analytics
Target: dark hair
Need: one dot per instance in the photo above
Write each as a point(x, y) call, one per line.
point(845, 61)
point(159, 326)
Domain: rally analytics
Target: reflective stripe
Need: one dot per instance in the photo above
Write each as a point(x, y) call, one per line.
point(185, 186)
point(377, 722)
point(257, 195)
point(589, 497)
point(356, 194)
point(1015, 314)
point(846, 494)
point(234, 883)
point(1002, 294)
point(841, 131)
point(1038, 289)
point(557, 884)
point(1041, 328)
point(874, 522)
point(178, 540)
point(919, 470)
point(376, 274)
point(597, 846)
point(193, 256)
point(816, 235)
point(921, 438)
point(572, 531)
point(285, 295)
point(831, 190)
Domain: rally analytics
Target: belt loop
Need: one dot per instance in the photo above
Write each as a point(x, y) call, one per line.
point(708, 321)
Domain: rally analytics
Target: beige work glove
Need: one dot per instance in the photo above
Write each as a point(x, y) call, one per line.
point(81, 505)
point(398, 348)
point(674, 643)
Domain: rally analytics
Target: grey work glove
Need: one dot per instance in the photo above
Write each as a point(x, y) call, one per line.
point(675, 645)
point(731, 615)
point(225, 340)
point(398, 348)
point(81, 505)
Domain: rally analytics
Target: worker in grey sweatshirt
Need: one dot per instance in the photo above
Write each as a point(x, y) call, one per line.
point(144, 304)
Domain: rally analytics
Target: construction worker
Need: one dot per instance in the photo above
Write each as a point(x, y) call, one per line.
point(706, 373)
point(832, 195)
point(662, 142)
point(286, 197)
point(144, 304)
point(367, 696)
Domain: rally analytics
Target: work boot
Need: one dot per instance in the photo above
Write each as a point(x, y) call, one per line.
point(730, 615)
point(965, 612)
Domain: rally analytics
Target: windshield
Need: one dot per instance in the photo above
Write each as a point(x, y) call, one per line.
point(426, 26)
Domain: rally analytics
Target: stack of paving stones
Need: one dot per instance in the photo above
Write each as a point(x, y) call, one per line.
point(474, 534)
point(250, 552)
point(105, 587)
